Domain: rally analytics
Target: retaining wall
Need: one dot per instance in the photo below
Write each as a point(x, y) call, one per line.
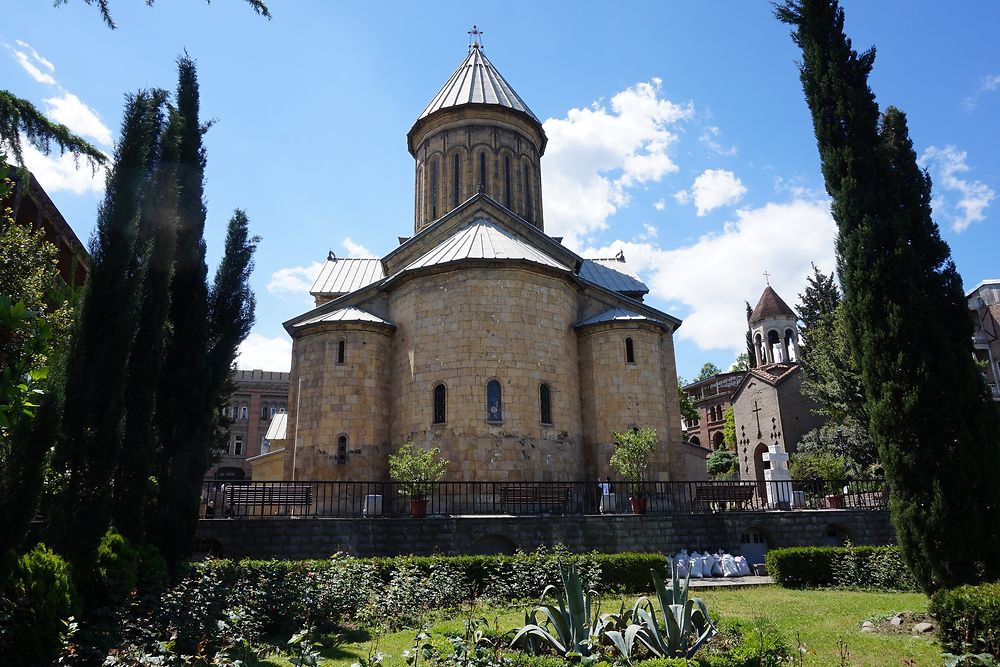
point(295, 538)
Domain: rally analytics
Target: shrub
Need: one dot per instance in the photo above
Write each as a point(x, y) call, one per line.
point(41, 596)
point(759, 643)
point(867, 568)
point(152, 576)
point(116, 571)
point(969, 618)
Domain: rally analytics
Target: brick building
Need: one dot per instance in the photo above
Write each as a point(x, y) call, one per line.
point(258, 397)
point(984, 306)
point(710, 398)
point(480, 334)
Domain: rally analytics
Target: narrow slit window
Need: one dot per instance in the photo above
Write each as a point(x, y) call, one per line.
point(342, 352)
point(506, 181)
point(341, 450)
point(440, 404)
point(629, 351)
point(494, 401)
point(458, 180)
point(434, 189)
point(545, 403)
point(528, 208)
point(482, 172)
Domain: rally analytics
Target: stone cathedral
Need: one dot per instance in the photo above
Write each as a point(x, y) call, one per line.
point(479, 334)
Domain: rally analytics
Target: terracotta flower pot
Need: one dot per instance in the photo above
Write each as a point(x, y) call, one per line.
point(418, 508)
point(638, 504)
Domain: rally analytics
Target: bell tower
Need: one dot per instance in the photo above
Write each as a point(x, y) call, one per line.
point(774, 328)
point(476, 135)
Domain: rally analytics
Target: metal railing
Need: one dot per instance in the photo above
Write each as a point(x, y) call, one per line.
point(237, 500)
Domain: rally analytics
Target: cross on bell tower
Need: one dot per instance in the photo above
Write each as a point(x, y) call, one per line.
point(475, 38)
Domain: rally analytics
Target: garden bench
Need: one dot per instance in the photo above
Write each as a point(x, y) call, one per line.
point(738, 494)
point(267, 496)
point(554, 497)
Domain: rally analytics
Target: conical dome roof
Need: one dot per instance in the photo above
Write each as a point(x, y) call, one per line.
point(770, 305)
point(477, 81)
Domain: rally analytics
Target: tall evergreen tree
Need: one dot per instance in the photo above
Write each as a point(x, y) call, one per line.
point(905, 315)
point(96, 374)
point(751, 354)
point(184, 417)
point(819, 300)
point(154, 268)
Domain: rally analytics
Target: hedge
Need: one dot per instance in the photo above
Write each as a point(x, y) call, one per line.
point(969, 618)
point(871, 568)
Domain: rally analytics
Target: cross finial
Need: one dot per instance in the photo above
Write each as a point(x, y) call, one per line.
point(767, 277)
point(475, 38)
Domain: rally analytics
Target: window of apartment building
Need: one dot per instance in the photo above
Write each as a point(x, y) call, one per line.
point(238, 444)
point(264, 412)
point(243, 411)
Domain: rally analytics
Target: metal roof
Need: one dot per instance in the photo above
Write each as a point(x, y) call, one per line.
point(477, 81)
point(276, 431)
point(615, 315)
point(349, 314)
point(341, 276)
point(608, 273)
point(483, 239)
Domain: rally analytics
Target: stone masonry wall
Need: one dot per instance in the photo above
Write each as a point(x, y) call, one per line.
point(319, 538)
point(466, 327)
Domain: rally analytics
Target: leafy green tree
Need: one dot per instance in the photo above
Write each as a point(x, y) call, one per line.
point(633, 450)
point(729, 427)
point(742, 363)
point(751, 355)
point(722, 464)
point(688, 411)
point(707, 371)
point(905, 318)
point(97, 370)
point(104, 6)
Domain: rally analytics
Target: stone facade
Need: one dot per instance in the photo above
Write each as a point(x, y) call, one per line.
point(984, 306)
point(480, 335)
point(257, 397)
point(711, 397)
point(736, 532)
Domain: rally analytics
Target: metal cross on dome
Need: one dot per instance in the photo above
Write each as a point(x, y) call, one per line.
point(475, 38)
point(767, 276)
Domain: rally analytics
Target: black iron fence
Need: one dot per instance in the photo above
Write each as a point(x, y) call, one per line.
point(388, 499)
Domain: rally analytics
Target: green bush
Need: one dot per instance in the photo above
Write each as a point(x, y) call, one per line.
point(969, 618)
point(40, 597)
point(116, 571)
point(868, 568)
point(152, 576)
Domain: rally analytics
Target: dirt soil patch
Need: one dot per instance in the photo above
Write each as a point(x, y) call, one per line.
point(903, 623)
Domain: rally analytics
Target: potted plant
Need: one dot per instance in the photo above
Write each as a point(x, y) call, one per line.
point(825, 473)
point(418, 471)
point(633, 449)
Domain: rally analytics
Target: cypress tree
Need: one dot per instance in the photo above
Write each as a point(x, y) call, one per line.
point(155, 249)
point(906, 321)
point(751, 355)
point(184, 407)
point(96, 372)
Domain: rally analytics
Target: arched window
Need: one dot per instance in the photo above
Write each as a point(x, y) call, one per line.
point(456, 194)
point(342, 352)
point(528, 209)
point(545, 403)
point(263, 411)
point(274, 409)
point(774, 346)
point(629, 351)
point(482, 171)
point(718, 439)
point(506, 181)
point(434, 189)
point(440, 406)
point(243, 412)
point(695, 440)
point(494, 401)
point(341, 449)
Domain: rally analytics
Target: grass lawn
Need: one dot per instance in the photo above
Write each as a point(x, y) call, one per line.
point(818, 618)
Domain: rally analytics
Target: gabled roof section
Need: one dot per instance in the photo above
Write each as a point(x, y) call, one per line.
point(477, 81)
point(616, 315)
point(479, 205)
point(769, 374)
point(340, 276)
point(349, 314)
point(482, 238)
point(609, 273)
point(770, 305)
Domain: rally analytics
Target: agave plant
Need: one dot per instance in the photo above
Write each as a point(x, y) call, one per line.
point(570, 628)
point(686, 623)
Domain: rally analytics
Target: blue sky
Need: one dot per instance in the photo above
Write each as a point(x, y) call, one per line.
point(677, 131)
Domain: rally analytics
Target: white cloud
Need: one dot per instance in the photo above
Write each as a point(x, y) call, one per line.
point(72, 112)
point(973, 196)
point(595, 155)
point(62, 173)
point(660, 205)
point(710, 139)
point(33, 63)
point(261, 352)
point(295, 279)
point(648, 232)
point(355, 249)
point(712, 189)
point(988, 83)
point(781, 238)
